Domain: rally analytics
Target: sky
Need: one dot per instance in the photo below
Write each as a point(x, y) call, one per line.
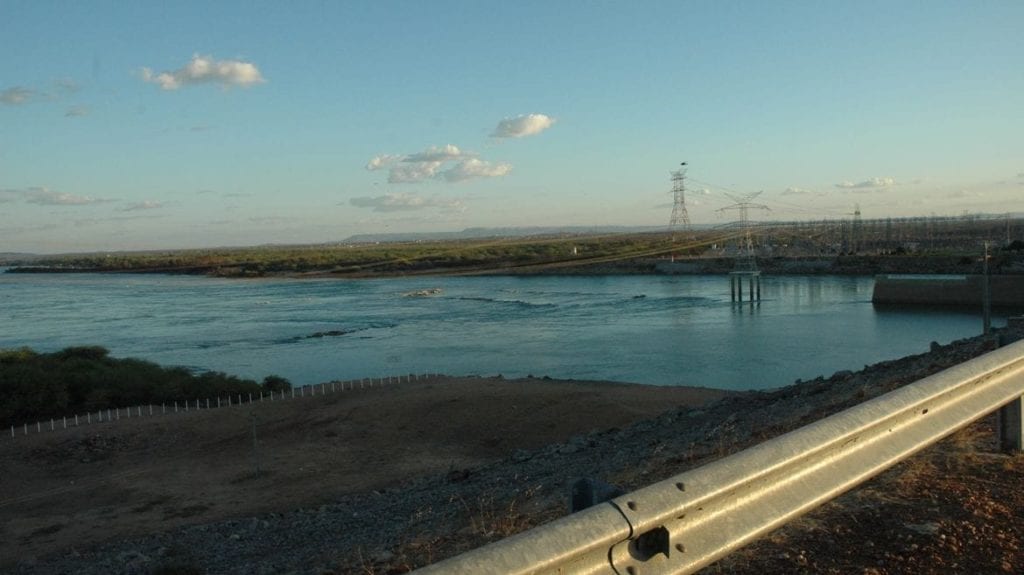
point(161, 125)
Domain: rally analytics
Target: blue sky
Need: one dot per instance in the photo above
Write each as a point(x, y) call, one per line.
point(142, 125)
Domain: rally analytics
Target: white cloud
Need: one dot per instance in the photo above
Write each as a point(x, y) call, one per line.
point(522, 126)
point(405, 202)
point(206, 70)
point(444, 153)
point(448, 163)
point(791, 191)
point(868, 184)
point(145, 205)
point(474, 168)
point(16, 96)
point(382, 161)
point(47, 197)
point(76, 112)
point(413, 173)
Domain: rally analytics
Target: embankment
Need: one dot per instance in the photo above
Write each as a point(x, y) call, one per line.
point(967, 290)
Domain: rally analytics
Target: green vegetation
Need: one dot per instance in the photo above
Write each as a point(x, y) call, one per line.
point(35, 386)
point(374, 259)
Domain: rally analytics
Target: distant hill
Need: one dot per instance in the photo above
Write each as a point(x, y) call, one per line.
point(9, 257)
point(512, 232)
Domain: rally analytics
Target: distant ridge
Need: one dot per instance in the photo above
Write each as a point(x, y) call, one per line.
point(511, 232)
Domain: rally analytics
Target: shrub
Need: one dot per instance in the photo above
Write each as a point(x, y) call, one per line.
point(276, 383)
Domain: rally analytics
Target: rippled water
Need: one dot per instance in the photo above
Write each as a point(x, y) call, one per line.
point(679, 330)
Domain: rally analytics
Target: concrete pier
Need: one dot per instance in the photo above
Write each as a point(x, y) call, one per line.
point(753, 285)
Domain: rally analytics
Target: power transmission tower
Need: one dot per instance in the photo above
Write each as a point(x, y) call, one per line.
point(680, 217)
point(745, 260)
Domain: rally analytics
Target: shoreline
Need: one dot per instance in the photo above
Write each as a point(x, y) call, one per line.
point(417, 518)
point(849, 265)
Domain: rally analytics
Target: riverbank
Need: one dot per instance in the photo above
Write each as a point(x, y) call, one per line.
point(952, 509)
point(66, 490)
point(662, 264)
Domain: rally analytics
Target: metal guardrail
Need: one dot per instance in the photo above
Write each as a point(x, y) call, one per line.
point(695, 518)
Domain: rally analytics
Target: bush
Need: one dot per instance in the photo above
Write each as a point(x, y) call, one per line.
point(276, 383)
point(35, 386)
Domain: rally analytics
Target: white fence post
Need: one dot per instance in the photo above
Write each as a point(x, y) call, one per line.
point(51, 424)
point(65, 422)
point(76, 420)
point(26, 429)
point(208, 403)
point(39, 427)
point(12, 431)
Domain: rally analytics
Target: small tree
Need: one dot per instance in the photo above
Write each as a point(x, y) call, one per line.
point(276, 383)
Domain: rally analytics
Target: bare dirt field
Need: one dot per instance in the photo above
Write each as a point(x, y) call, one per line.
point(69, 489)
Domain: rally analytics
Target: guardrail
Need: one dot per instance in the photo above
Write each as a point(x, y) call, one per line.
point(689, 521)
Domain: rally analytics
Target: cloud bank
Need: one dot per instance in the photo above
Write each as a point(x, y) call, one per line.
point(145, 205)
point(522, 126)
point(206, 70)
point(404, 203)
point(447, 163)
point(872, 183)
point(46, 197)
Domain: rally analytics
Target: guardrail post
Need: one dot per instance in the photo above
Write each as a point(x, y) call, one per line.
point(1009, 422)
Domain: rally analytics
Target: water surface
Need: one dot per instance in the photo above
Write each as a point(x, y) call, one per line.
point(666, 330)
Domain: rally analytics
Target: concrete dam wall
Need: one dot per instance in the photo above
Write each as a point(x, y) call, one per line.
point(1007, 290)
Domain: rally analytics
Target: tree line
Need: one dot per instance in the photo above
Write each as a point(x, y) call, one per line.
point(36, 386)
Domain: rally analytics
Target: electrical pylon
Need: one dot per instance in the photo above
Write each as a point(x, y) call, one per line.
point(680, 217)
point(745, 260)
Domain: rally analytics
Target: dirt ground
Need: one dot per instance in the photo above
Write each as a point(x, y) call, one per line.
point(72, 488)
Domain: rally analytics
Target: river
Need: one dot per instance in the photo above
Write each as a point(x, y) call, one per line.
point(664, 330)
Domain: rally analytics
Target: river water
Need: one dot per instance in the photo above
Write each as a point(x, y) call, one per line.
point(665, 330)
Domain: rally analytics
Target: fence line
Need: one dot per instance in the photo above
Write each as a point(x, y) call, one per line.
point(185, 406)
